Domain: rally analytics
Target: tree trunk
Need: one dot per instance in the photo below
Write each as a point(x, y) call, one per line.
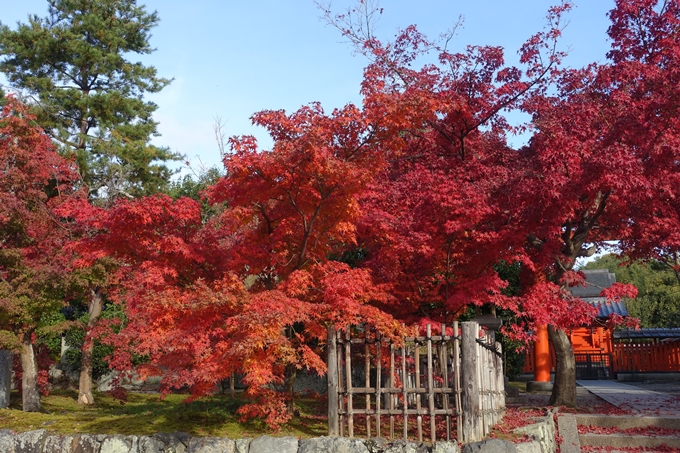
point(30, 396)
point(564, 388)
point(288, 385)
point(85, 383)
point(6, 361)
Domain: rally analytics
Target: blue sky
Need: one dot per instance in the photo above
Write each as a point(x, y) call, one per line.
point(233, 58)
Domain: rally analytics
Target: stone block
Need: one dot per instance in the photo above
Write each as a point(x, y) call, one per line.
point(332, 444)
point(268, 444)
point(6, 441)
point(529, 447)
point(211, 445)
point(30, 441)
point(58, 444)
point(242, 445)
point(148, 444)
point(86, 443)
point(404, 446)
point(543, 431)
point(119, 444)
point(446, 447)
point(566, 424)
point(490, 446)
point(176, 442)
point(375, 444)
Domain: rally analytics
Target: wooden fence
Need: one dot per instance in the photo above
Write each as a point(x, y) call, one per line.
point(634, 355)
point(432, 386)
point(639, 356)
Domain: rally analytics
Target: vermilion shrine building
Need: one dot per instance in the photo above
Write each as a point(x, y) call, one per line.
point(600, 351)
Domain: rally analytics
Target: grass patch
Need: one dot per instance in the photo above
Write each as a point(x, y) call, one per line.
point(145, 414)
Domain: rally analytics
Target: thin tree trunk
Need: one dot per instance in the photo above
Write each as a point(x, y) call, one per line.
point(288, 385)
point(85, 383)
point(6, 361)
point(564, 388)
point(30, 396)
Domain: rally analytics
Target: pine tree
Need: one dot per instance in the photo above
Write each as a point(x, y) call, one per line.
point(72, 67)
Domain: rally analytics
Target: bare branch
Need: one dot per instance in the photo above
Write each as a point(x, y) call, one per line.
point(220, 135)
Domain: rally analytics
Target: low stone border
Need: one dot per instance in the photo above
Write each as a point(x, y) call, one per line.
point(43, 441)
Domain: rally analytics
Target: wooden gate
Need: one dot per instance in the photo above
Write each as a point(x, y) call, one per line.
point(433, 386)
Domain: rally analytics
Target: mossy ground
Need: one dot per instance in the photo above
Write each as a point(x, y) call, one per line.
point(145, 414)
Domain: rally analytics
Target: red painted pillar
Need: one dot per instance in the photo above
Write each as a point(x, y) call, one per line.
point(542, 355)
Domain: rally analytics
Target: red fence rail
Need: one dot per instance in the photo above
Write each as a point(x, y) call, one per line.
point(641, 357)
point(631, 356)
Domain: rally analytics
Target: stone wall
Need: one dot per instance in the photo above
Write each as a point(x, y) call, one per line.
point(42, 441)
point(542, 434)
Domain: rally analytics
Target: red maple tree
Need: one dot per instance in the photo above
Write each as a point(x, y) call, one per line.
point(423, 186)
point(253, 289)
point(435, 220)
point(602, 166)
point(34, 180)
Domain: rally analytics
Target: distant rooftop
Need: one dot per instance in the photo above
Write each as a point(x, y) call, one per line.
point(596, 281)
point(651, 332)
point(605, 309)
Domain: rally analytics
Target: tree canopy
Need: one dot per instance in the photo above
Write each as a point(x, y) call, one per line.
point(34, 181)
point(401, 210)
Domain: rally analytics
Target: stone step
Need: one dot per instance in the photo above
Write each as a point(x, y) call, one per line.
point(627, 441)
point(621, 440)
point(627, 421)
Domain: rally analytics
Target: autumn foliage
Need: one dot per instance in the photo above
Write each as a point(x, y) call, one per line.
point(34, 180)
point(394, 212)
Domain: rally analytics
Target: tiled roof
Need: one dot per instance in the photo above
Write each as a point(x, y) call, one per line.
point(596, 281)
point(647, 333)
point(605, 309)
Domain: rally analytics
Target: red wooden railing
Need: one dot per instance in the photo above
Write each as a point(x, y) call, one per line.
point(641, 357)
point(634, 356)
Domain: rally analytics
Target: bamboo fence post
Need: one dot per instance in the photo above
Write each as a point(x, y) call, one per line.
point(469, 373)
point(485, 386)
point(378, 384)
point(480, 377)
point(392, 375)
point(419, 417)
point(341, 388)
point(500, 380)
point(443, 359)
point(404, 390)
point(333, 422)
point(493, 387)
point(348, 383)
point(430, 384)
point(456, 382)
point(367, 380)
